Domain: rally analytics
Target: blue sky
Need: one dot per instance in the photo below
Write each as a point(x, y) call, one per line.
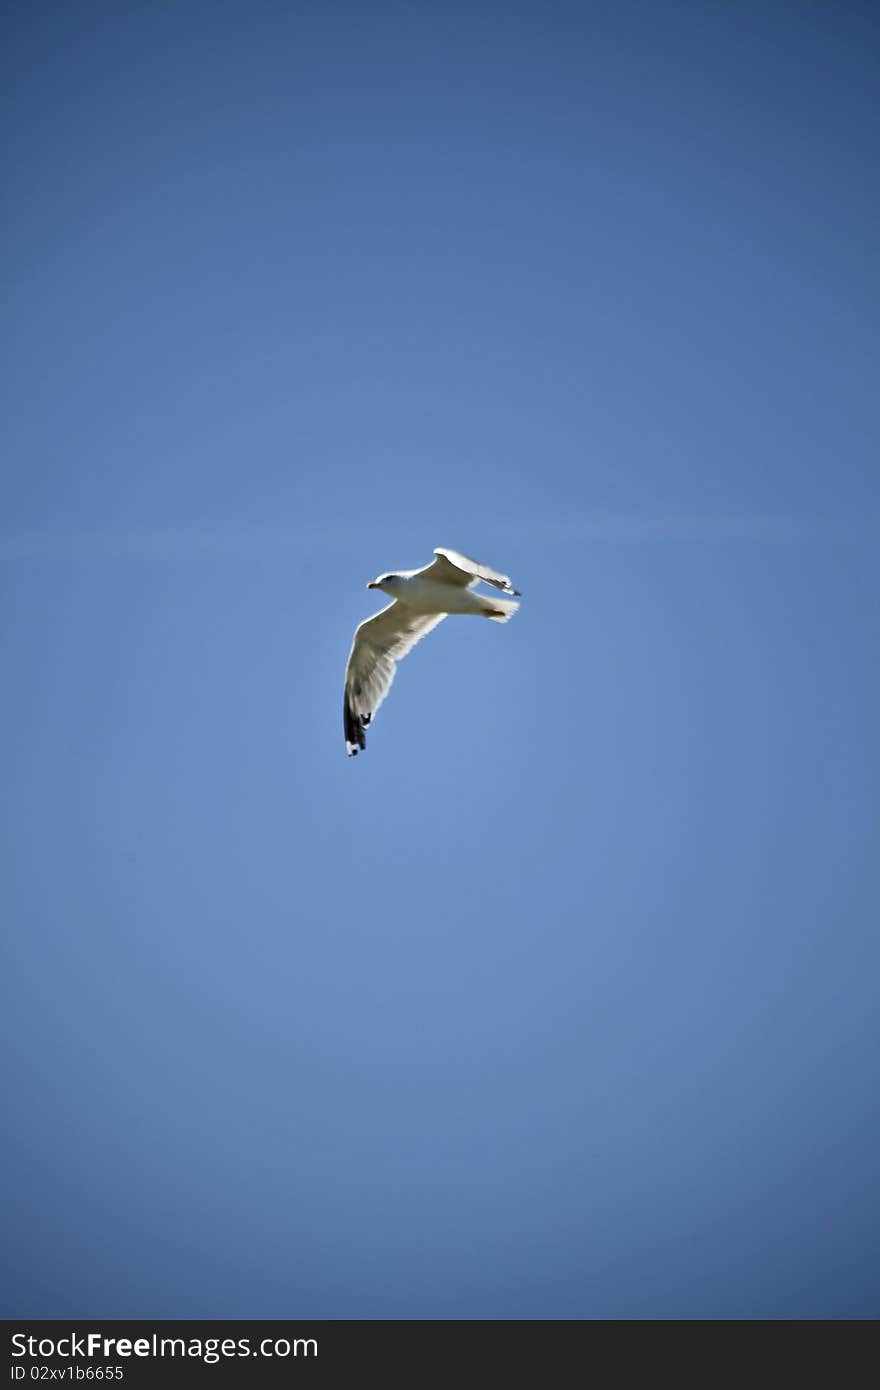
point(560, 1001)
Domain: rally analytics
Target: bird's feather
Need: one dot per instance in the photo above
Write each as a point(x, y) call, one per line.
point(379, 643)
point(452, 568)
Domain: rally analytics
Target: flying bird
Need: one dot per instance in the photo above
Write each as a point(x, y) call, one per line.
point(420, 599)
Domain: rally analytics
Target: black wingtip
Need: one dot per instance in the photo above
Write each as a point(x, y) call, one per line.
point(353, 726)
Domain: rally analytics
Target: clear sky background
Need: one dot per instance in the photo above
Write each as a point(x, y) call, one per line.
point(561, 1000)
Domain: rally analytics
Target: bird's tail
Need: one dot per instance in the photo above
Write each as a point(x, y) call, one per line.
point(500, 610)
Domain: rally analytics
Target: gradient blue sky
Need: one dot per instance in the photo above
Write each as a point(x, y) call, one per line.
point(561, 1001)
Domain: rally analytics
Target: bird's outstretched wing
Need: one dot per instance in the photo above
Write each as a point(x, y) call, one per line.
point(379, 643)
point(452, 568)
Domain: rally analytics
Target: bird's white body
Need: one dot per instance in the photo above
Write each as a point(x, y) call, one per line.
point(420, 599)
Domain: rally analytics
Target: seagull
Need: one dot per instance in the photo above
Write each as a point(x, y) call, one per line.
point(420, 600)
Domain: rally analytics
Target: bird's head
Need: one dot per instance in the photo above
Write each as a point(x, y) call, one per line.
point(388, 583)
